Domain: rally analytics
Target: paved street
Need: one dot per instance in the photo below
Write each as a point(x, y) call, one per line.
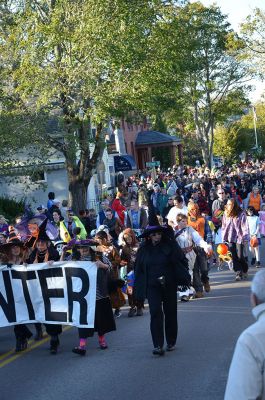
point(208, 329)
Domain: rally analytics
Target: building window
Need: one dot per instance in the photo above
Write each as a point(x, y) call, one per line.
point(38, 177)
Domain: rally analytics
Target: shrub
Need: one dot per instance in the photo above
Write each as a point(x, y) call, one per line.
point(11, 208)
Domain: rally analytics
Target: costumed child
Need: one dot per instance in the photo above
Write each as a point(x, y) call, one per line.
point(187, 238)
point(129, 247)
point(44, 252)
point(86, 250)
point(217, 222)
point(254, 232)
point(262, 220)
point(13, 253)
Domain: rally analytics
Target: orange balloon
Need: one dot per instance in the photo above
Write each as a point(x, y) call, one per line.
point(254, 242)
point(222, 249)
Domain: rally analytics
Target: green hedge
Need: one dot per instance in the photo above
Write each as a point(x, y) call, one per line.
point(11, 208)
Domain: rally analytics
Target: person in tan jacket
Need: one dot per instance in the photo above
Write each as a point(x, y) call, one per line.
point(246, 379)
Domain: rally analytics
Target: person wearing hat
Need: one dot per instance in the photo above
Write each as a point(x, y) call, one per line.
point(86, 250)
point(45, 252)
point(13, 249)
point(160, 267)
point(41, 209)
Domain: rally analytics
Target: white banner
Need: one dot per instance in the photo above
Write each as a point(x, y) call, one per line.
point(62, 293)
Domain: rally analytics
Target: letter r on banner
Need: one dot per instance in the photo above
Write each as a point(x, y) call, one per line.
point(77, 296)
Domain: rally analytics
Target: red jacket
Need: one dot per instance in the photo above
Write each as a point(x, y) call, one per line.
point(119, 208)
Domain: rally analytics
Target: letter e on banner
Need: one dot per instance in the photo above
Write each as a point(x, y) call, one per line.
point(47, 294)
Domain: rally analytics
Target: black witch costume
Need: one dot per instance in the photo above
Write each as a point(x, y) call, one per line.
point(159, 269)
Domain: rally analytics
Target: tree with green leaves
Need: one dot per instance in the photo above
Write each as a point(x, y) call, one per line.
point(203, 70)
point(252, 31)
point(238, 136)
point(76, 62)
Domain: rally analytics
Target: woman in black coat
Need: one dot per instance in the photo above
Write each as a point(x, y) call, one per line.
point(160, 267)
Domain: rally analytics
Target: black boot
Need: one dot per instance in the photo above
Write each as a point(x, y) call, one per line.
point(21, 344)
point(38, 335)
point(54, 343)
point(158, 351)
point(79, 350)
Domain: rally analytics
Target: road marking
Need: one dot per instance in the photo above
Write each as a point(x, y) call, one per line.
point(196, 310)
point(8, 359)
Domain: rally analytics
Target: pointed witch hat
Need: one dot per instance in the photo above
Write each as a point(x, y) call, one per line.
point(153, 223)
point(43, 231)
point(13, 240)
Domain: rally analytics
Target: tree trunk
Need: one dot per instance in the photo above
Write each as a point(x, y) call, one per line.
point(77, 195)
point(206, 156)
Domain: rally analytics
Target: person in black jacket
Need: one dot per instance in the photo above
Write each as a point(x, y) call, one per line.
point(159, 268)
point(45, 252)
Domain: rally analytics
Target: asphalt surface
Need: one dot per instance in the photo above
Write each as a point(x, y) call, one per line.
point(196, 370)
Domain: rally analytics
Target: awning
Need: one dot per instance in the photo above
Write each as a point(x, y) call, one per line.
point(124, 163)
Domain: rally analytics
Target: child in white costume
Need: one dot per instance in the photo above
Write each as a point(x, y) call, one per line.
point(262, 220)
point(254, 232)
point(188, 238)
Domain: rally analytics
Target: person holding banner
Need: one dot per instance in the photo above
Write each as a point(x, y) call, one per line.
point(104, 320)
point(111, 253)
point(15, 252)
point(44, 252)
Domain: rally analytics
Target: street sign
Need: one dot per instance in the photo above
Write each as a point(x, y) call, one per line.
point(151, 164)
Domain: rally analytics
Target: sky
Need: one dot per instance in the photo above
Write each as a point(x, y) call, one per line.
point(237, 11)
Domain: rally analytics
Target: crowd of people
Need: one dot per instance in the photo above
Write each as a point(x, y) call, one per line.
point(155, 236)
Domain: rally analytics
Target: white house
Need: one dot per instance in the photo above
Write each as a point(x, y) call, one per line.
point(53, 178)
